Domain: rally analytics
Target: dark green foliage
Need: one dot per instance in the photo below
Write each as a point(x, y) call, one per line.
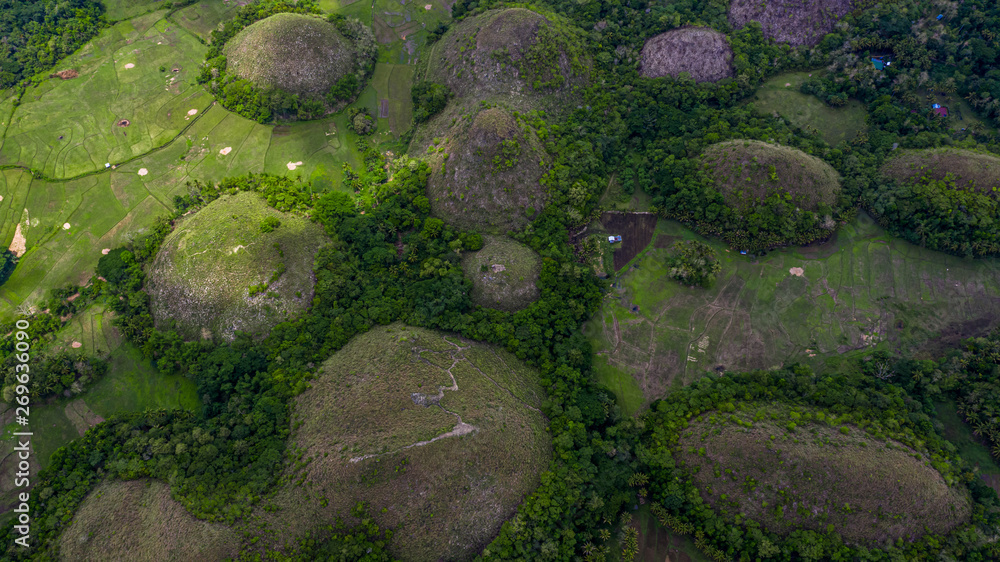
point(8, 262)
point(269, 224)
point(360, 121)
point(364, 542)
point(113, 266)
point(694, 263)
point(51, 375)
point(344, 90)
point(37, 33)
point(429, 98)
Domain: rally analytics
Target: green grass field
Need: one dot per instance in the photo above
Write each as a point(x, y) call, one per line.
point(445, 455)
point(781, 95)
point(972, 449)
point(656, 543)
point(65, 128)
point(204, 17)
point(861, 291)
point(118, 10)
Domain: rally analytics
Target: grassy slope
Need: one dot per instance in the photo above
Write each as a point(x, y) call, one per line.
point(451, 496)
point(297, 53)
point(202, 274)
point(84, 110)
point(790, 21)
point(740, 169)
point(862, 289)
point(511, 289)
point(148, 526)
point(809, 113)
point(971, 169)
point(700, 51)
point(869, 491)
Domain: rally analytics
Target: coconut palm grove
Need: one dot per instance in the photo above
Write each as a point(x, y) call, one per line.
point(483, 280)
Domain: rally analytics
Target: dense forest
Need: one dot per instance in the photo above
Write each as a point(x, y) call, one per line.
point(37, 33)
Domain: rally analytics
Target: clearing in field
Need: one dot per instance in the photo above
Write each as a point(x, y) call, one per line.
point(971, 169)
point(867, 490)
point(504, 274)
point(636, 230)
point(221, 270)
point(862, 290)
point(747, 168)
point(441, 436)
point(780, 95)
point(489, 54)
point(797, 22)
point(485, 174)
point(149, 526)
point(297, 53)
point(702, 52)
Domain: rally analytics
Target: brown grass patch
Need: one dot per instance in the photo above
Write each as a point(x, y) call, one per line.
point(65, 74)
point(376, 422)
point(477, 182)
point(138, 521)
point(749, 168)
point(870, 491)
point(798, 22)
point(636, 230)
point(972, 170)
point(700, 51)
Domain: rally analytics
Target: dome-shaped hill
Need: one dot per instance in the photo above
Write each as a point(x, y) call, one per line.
point(485, 172)
point(803, 479)
point(416, 422)
point(296, 53)
point(227, 268)
point(970, 170)
point(743, 169)
point(486, 54)
point(797, 22)
point(700, 51)
point(504, 274)
point(146, 525)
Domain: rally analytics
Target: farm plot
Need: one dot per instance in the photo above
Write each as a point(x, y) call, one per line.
point(314, 150)
point(118, 10)
point(202, 18)
point(392, 83)
point(863, 290)
point(636, 230)
point(119, 106)
point(781, 95)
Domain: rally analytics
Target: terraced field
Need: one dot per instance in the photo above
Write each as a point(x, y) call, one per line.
point(861, 291)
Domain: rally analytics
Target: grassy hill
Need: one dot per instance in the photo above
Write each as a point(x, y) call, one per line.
point(796, 22)
point(748, 168)
point(820, 476)
point(511, 52)
point(219, 273)
point(485, 170)
point(700, 51)
point(138, 521)
point(971, 170)
point(441, 436)
point(296, 53)
point(504, 274)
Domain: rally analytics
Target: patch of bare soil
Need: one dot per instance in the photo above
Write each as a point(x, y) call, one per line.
point(700, 51)
point(797, 22)
point(65, 74)
point(18, 245)
point(636, 230)
point(123, 123)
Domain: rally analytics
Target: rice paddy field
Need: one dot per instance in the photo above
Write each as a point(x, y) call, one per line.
point(860, 291)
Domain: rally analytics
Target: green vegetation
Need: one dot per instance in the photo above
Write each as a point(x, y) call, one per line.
point(148, 526)
point(790, 21)
point(787, 95)
point(864, 290)
point(454, 418)
point(504, 274)
point(37, 33)
point(203, 280)
point(428, 100)
point(695, 263)
point(699, 51)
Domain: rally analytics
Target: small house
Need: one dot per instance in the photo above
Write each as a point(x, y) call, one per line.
point(939, 109)
point(881, 62)
point(614, 239)
point(940, 16)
